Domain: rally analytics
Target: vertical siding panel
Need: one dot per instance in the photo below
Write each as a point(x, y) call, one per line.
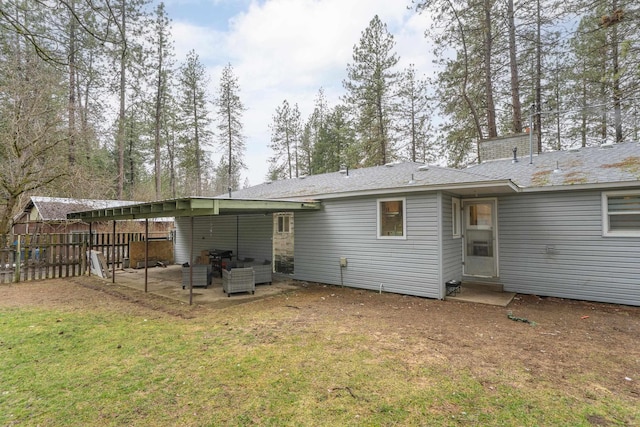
point(255, 233)
point(209, 232)
point(451, 248)
point(552, 244)
point(347, 228)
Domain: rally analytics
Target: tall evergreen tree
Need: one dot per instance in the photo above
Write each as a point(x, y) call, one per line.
point(285, 139)
point(127, 20)
point(229, 109)
point(336, 147)
point(161, 61)
point(414, 116)
point(195, 119)
point(313, 133)
point(585, 83)
point(370, 85)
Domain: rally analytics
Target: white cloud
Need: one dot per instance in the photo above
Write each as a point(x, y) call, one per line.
point(288, 49)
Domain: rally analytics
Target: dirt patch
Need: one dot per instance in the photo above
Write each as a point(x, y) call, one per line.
point(560, 341)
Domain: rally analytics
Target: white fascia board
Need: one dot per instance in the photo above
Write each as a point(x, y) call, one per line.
point(486, 185)
point(581, 187)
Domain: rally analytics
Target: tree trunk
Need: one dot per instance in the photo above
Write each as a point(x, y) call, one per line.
point(491, 109)
point(229, 137)
point(197, 144)
point(538, 77)
point(72, 85)
point(121, 116)
point(513, 65)
point(158, 121)
point(413, 127)
point(617, 93)
point(383, 142)
point(603, 95)
point(465, 95)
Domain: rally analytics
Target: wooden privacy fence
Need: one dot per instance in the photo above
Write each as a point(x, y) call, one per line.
point(48, 256)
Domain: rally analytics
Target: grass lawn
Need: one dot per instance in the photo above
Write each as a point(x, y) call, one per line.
point(316, 356)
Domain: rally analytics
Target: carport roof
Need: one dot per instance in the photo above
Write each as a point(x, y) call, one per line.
point(193, 206)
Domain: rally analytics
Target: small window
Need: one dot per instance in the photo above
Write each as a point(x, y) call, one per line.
point(480, 215)
point(391, 219)
point(455, 217)
point(621, 213)
point(283, 224)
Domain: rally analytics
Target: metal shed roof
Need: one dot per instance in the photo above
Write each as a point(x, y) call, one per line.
point(193, 206)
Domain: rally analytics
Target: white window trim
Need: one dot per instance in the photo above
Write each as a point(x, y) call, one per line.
point(605, 215)
point(288, 222)
point(404, 218)
point(456, 214)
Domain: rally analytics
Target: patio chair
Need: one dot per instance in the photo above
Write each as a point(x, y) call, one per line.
point(202, 275)
point(238, 280)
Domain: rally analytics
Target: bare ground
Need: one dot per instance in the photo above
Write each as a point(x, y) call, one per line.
point(555, 340)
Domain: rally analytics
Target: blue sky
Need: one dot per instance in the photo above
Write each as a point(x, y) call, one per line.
point(287, 49)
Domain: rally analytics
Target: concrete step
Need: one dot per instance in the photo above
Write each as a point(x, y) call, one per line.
point(486, 286)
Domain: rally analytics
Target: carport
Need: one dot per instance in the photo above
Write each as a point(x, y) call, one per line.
point(190, 208)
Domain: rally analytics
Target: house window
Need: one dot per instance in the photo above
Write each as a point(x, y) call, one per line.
point(455, 217)
point(391, 219)
point(283, 224)
point(621, 213)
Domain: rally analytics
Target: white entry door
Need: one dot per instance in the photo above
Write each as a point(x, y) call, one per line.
point(480, 240)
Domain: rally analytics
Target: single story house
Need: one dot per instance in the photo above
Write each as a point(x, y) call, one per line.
point(563, 224)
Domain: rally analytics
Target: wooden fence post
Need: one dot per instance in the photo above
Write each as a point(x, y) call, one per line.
point(18, 260)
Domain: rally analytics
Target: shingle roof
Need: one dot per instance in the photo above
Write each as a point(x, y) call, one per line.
point(617, 164)
point(395, 176)
point(57, 208)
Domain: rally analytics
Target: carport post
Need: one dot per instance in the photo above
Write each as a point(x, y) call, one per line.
point(113, 253)
point(191, 267)
point(88, 254)
point(146, 252)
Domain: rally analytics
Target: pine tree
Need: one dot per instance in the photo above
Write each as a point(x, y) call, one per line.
point(336, 147)
point(414, 116)
point(195, 122)
point(230, 128)
point(285, 139)
point(127, 20)
point(161, 62)
point(370, 91)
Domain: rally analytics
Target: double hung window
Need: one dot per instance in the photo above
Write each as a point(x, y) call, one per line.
point(621, 213)
point(391, 219)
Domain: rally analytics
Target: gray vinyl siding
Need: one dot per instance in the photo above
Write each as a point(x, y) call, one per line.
point(347, 228)
point(451, 248)
point(255, 237)
point(247, 236)
point(584, 264)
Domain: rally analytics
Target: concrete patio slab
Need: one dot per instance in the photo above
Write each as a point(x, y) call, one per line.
point(167, 282)
point(482, 296)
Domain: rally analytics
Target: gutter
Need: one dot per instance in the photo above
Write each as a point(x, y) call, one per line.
point(581, 187)
point(504, 184)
